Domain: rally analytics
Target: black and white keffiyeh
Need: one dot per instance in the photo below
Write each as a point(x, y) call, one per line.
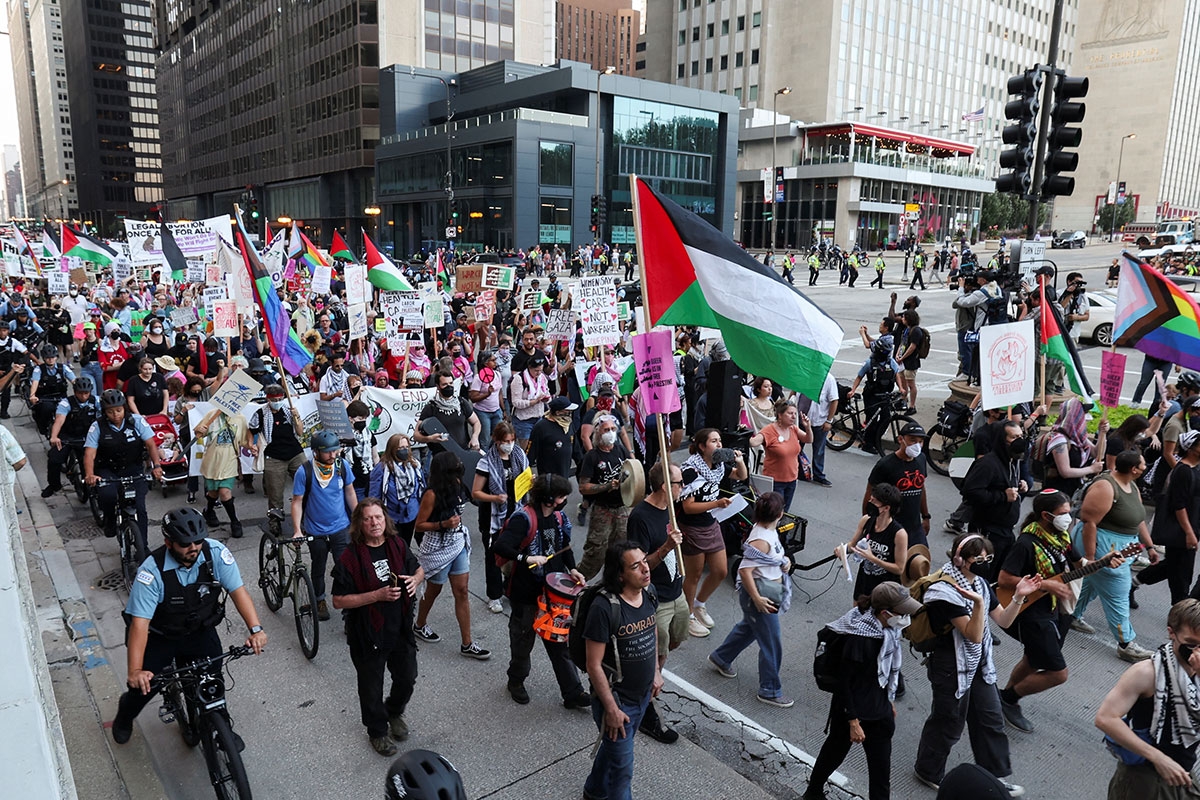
point(891, 654)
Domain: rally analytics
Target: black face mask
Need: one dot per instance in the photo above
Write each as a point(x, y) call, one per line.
point(360, 426)
point(1185, 652)
point(1194, 423)
point(872, 510)
point(403, 453)
point(447, 391)
point(1017, 447)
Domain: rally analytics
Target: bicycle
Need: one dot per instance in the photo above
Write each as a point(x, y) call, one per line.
point(72, 470)
point(850, 424)
point(128, 532)
point(194, 698)
point(280, 577)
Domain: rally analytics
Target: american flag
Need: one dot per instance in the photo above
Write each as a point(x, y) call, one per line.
point(974, 116)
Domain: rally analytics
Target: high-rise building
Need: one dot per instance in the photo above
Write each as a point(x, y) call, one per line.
point(43, 108)
point(1142, 61)
point(602, 33)
point(14, 192)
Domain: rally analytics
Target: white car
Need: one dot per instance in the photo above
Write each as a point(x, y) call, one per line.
point(1098, 327)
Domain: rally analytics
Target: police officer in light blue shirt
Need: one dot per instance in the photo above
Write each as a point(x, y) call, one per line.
point(175, 605)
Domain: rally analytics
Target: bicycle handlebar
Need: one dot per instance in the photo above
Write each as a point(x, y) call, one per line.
point(123, 480)
point(233, 653)
point(292, 540)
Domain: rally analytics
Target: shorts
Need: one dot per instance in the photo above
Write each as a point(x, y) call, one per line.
point(523, 427)
point(909, 374)
point(1042, 637)
point(224, 483)
point(460, 564)
point(676, 419)
point(672, 617)
point(703, 539)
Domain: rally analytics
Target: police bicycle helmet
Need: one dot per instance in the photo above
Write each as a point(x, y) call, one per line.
point(423, 775)
point(1189, 380)
point(83, 384)
point(49, 351)
point(325, 441)
point(184, 526)
point(112, 398)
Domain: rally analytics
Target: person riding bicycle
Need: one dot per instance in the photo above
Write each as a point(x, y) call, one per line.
point(880, 383)
point(323, 498)
point(72, 419)
point(116, 447)
point(48, 385)
point(26, 331)
point(14, 359)
point(175, 605)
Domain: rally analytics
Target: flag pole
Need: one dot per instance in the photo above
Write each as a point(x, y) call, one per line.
point(664, 452)
point(1042, 360)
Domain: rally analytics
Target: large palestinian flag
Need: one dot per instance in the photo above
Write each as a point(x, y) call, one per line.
point(76, 243)
point(695, 275)
point(381, 272)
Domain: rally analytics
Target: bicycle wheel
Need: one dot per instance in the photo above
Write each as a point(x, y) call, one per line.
point(225, 767)
point(269, 578)
point(127, 536)
point(888, 442)
point(93, 501)
point(940, 449)
point(185, 716)
point(304, 609)
point(841, 433)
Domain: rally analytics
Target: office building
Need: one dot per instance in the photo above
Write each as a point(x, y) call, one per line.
point(429, 35)
point(602, 33)
point(528, 146)
point(1142, 61)
point(14, 192)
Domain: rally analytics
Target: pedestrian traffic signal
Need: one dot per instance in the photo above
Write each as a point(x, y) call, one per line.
point(1023, 109)
point(1061, 136)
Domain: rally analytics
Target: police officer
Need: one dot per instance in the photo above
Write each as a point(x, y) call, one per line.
point(72, 420)
point(13, 361)
point(175, 606)
point(48, 384)
point(116, 446)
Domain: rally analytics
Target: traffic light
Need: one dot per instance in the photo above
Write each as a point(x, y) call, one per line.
point(1023, 109)
point(596, 200)
point(253, 205)
point(603, 206)
point(1061, 136)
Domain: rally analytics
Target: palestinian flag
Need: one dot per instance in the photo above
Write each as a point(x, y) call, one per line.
point(442, 275)
point(382, 273)
point(695, 275)
point(51, 246)
point(284, 342)
point(76, 243)
point(339, 249)
point(172, 254)
point(1056, 345)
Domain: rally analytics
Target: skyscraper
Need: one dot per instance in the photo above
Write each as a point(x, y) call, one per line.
point(602, 33)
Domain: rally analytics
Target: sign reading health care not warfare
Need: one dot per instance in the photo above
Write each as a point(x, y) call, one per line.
point(195, 238)
point(599, 312)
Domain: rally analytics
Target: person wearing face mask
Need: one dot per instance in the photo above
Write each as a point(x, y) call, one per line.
point(599, 480)
point(335, 384)
point(551, 444)
point(530, 392)
point(364, 453)
point(113, 354)
point(907, 470)
point(399, 482)
point(1176, 522)
point(493, 490)
point(224, 437)
point(485, 388)
point(154, 340)
point(455, 413)
point(880, 541)
point(1151, 720)
point(277, 430)
point(862, 709)
point(1137, 432)
point(57, 323)
point(993, 488)
point(537, 540)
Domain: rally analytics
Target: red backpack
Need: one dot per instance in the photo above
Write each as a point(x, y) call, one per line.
point(506, 564)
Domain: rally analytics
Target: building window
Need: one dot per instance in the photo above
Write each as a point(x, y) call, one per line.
point(708, 65)
point(741, 26)
point(680, 72)
point(737, 92)
point(696, 34)
point(683, 37)
point(695, 67)
point(754, 56)
point(683, 5)
point(724, 62)
point(709, 30)
point(555, 162)
point(738, 58)
point(554, 220)
point(757, 19)
point(754, 93)
point(724, 27)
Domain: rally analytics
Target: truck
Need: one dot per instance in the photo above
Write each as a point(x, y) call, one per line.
point(1174, 232)
point(1139, 233)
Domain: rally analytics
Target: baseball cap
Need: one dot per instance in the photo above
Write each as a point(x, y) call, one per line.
point(562, 404)
point(913, 429)
point(89, 326)
point(890, 596)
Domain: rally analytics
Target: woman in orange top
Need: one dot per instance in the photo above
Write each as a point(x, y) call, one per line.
point(781, 442)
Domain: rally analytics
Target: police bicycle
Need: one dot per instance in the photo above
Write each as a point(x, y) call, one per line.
point(128, 532)
point(283, 573)
point(194, 698)
point(853, 421)
point(72, 470)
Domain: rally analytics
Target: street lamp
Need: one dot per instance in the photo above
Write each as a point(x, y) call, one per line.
point(599, 188)
point(774, 144)
point(373, 212)
point(1112, 231)
point(285, 220)
point(412, 71)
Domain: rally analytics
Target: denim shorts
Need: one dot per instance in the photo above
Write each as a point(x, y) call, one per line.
point(460, 564)
point(523, 427)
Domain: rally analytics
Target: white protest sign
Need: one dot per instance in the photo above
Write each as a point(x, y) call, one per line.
point(224, 318)
point(1007, 355)
point(211, 295)
point(122, 269)
point(182, 317)
point(196, 271)
point(358, 321)
point(599, 311)
point(321, 279)
point(59, 281)
point(195, 238)
point(356, 284)
point(12, 265)
point(394, 411)
point(238, 390)
point(1033, 255)
point(560, 325)
point(434, 312)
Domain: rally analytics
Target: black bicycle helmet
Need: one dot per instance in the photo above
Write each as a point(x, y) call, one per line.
point(422, 775)
point(83, 384)
point(184, 526)
point(112, 398)
point(1189, 380)
point(324, 441)
point(49, 351)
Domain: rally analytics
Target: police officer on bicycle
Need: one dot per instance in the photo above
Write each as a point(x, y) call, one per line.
point(175, 605)
point(47, 386)
point(116, 447)
point(14, 358)
point(72, 419)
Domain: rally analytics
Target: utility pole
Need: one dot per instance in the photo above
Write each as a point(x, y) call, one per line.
point(1031, 223)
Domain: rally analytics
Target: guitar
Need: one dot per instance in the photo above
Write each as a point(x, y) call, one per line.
point(1005, 595)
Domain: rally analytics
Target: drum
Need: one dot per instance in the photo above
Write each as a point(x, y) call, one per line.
point(553, 619)
point(633, 482)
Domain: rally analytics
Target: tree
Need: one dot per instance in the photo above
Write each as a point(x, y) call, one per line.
point(1116, 215)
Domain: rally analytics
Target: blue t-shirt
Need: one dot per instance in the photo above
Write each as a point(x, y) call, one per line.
point(147, 591)
point(325, 514)
point(137, 420)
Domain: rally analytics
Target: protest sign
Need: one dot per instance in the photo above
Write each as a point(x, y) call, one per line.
point(196, 272)
point(1007, 354)
point(79, 276)
point(12, 265)
point(224, 318)
point(356, 283)
point(623, 312)
point(122, 269)
point(58, 282)
point(195, 238)
point(358, 321)
point(656, 371)
point(522, 484)
point(213, 274)
point(394, 411)
point(469, 279)
point(434, 312)
point(211, 295)
point(531, 300)
point(498, 276)
point(599, 311)
point(238, 390)
point(321, 279)
point(560, 325)
point(1112, 375)
point(182, 316)
point(380, 324)
point(335, 419)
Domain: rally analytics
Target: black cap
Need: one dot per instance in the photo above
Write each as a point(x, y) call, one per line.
point(562, 404)
point(914, 429)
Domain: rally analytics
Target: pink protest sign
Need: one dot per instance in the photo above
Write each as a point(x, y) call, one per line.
point(656, 371)
point(1112, 375)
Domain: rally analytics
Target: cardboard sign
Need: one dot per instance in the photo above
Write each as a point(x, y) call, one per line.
point(224, 318)
point(58, 282)
point(560, 325)
point(238, 390)
point(79, 276)
point(656, 371)
point(1007, 354)
point(335, 419)
point(498, 276)
point(356, 283)
point(196, 272)
point(1112, 375)
point(469, 279)
point(358, 321)
point(599, 311)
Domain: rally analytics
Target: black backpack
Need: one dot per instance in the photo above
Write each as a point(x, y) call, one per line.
point(996, 310)
point(827, 661)
point(881, 379)
point(577, 644)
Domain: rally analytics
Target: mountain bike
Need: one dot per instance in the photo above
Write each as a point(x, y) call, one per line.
point(283, 573)
point(128, 532)
point(851, 424)
point(194, 698)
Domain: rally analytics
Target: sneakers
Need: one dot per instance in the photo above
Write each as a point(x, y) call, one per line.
point(1013, 789)
point(779, 702)
point(322, 611)
point(581, 700)
point(582, 518)
point(932, 784)
point(191, 497)
point(697, 629)
point(519, 695)
point(822, 482)
point(1012, 713)
point(701, 613)
point(235, 529)
point(952, 529)
point(383, 745)
point(474, 651)
point(1079, 624)
point(722, 671)
point(398, 728)
point(426, 633)
point(50, 490)
point(1133, 652)
point(659, 732)
point(495, 606)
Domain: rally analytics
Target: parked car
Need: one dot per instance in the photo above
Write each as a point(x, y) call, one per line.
point(1069, 240)
point(1098, 328)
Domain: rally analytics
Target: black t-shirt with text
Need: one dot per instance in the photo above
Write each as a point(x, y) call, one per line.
point(637, 642)
point(397, 615)
point(599, 467)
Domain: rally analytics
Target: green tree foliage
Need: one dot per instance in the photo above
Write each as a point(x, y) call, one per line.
point(1122, 215)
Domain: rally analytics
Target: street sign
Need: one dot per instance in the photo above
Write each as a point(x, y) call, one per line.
point(451, 232)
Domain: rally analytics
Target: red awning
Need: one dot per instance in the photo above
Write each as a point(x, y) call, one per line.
point(946, 146)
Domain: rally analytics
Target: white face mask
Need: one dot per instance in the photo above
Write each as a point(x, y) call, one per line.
point(913, 450)
point(506, 447)
point(899, 622)
point(1062, 522)
point(609, 438)
point(278, 405)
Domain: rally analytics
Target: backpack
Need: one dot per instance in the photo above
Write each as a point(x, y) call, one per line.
point(881, 379)
point(577, 644)
point(506, 564)
point(920, 633)
point(308, 482)
point(827, 661)
point(923, 347)
point(996, 310)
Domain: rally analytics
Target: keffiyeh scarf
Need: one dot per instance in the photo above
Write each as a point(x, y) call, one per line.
point(969, 656)
point(1176, 700)
point(891, 654)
